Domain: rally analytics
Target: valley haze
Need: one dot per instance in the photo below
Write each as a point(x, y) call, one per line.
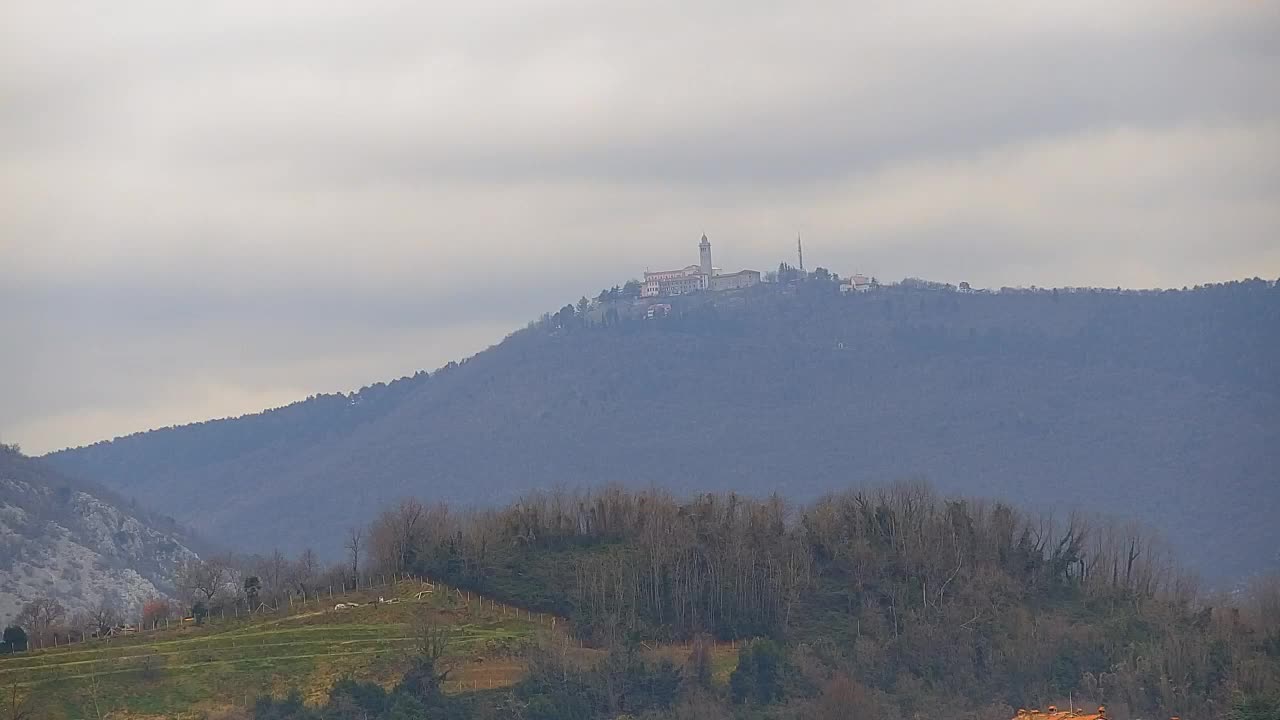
point(592, 359)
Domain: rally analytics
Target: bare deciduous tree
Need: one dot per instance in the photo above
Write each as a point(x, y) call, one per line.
point(203, 579)
point(397, 534)
point(41, 617)
point(354, 544)
point(20, 704)
point(431, 638)
point(302, 575)
point(105, 615)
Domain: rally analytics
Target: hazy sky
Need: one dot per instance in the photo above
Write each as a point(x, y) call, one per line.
point(209, 208)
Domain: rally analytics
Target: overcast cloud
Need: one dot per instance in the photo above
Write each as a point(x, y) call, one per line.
point(210, 208)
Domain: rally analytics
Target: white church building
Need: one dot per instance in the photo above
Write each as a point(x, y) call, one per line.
point(695, 278)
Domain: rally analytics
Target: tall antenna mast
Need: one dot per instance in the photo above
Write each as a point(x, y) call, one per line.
point(800, 251)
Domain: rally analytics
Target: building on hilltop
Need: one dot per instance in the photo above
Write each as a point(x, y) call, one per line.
point(694, 278)
point(857, 283)
point(672, 282)
point(704, 262)
point(734, 281)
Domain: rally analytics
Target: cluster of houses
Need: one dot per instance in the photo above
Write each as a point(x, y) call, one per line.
point(705, 276)
point(856, 283)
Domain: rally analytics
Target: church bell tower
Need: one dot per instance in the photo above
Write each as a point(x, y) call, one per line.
point(704, 260)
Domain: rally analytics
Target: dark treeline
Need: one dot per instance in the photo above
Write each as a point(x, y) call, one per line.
point(612, 560)
point(921, 602)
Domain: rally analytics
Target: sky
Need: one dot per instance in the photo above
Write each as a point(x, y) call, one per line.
point(211, 208)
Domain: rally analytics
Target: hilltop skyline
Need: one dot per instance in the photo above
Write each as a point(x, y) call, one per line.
point(217, 210)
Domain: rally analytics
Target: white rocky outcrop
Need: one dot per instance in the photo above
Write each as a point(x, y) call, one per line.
point(79, 549)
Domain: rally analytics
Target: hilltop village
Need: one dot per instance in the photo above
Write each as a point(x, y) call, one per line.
point(705, 276)
point(651, 297)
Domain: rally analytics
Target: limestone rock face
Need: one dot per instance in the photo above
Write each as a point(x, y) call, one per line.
point(64, 541)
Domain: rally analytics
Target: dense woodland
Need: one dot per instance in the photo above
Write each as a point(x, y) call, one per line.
point(1163, 406)
point(889, 603)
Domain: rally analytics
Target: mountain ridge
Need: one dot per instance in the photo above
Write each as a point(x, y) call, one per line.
point(1162, 402)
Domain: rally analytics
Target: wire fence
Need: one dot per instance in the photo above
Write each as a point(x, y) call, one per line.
point(393, 588)
point(296, 603)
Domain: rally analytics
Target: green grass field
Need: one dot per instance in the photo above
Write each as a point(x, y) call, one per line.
point(192, 672)
point(189, 671)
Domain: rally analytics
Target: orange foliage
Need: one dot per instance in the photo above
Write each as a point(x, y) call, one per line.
point(154, 612)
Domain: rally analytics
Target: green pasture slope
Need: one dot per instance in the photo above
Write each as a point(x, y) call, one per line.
point(184, 672)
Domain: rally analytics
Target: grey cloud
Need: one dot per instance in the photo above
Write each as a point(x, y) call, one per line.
point(205, 208)
point(105, 350)
point(1030, 88)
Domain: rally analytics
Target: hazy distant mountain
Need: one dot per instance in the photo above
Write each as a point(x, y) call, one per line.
point(1162, 406)
point(68, 539)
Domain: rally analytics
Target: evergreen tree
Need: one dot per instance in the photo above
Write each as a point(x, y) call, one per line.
point(15, 640)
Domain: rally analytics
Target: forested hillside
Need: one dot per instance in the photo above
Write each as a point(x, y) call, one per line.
point(926, 603)
point(886, 603)
point(1163, 407)
point(78, 545)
